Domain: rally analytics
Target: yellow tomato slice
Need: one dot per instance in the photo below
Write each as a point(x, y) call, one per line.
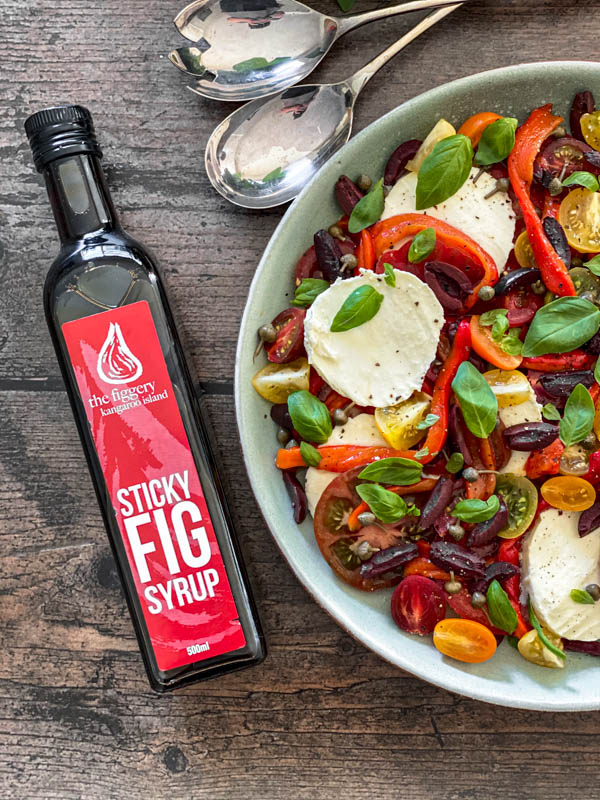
point(523, 251)
point(276, 382)
point(569, 493)
point(590, 128)
point(510, 386)
point(398, 424)
point(579, 214)
point(533, 649)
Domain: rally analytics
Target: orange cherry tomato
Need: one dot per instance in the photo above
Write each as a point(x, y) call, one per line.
point(464, 640)
point(475, 125)
point(486, 347)
point(569, 493)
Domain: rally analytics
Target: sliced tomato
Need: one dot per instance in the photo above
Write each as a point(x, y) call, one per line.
point(521, 307)
point(289, 343)
point(561, 157)
point(460, 603)
point(486, 347)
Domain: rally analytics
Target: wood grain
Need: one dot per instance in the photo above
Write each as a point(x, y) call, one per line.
point(323, 717)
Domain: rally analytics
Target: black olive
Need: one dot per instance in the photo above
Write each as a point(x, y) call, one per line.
point(449, 284)
point(558, 239)
point(329, 255)
point(516, 279)
point(528, 436)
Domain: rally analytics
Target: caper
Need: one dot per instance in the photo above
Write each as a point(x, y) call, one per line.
point(555, 186)
point(364, 183)
point(456, 531)
point(486, 293)
point(367, 518)
point(594, 590)
point(478, 600)
point(470, 474)
point(559, 132)
point(349, 261)
point(364, 550)
point(502, 185)
point(538, 288)
point(283, 436)
point(340, 417)
point(452, 586)
point(291, 443)
point(336, 232)
point(267, 333)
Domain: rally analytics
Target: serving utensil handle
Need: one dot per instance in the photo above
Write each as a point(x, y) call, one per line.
point(346, 24)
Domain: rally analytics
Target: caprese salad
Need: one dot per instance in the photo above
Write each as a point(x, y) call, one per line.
point(435, 385)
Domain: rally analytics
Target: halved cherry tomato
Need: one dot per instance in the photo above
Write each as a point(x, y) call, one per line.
point(486, 347)
point(521, 307)
point(533, 649)
point(569, 493)
point(590, 128)
point(580, 217)
point(418, 604)
point(464, 640)
point(460, 603)
point(521, 498)
point(562, 157)
point(510, 387)
point(475, 125)
point(398, 424)
point(276, 382)
point(544, 462)
point(289, 343)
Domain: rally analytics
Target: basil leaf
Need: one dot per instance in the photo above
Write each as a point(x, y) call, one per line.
point(497, 140)
point(387, 506)
point(561, 326)
point(429, 420)
point(586, 179)
point(390, 275)
point(490, 317)
point(511, 343)
point(578, 418)
point(396, 471)
point(581, 596)
point(310, 417)
point(308, 291)
point(422, 245)
point(597, 371)
point(359, 307)
point(455, 463)
point(550, 411)
point(475, 510)
point(542, 636)
point(310, 455)
point(476, 400)
point(502, 614)
point(444, 171)
point(593, 265)
point(368, 209)
point(422, 453)
point(499, 328)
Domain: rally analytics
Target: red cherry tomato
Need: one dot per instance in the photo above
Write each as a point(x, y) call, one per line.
point(418, 604)
point(521, 307)
point(289, 343)
point(564, 156)
point(307, 263)
point(460, 603)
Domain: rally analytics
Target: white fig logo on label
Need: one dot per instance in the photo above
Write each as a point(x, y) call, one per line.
point(116, 362)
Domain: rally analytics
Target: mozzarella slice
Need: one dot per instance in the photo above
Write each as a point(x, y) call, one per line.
point(555, 561)
point(360, 430)
point(527, 411)
point(491, 222)
point(384, 360)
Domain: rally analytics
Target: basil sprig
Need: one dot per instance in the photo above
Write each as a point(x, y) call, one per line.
point(475, 510)
point(477, 401)
point(308, 291)
point(498, 319)
point(550, 411)
point(390, 275)
point(455, 463)
point(359, 307)
point(511, 343)
point(368, 209)
point(542, 636)
point(394, 471)
point(444, 171)
point(581, 596)
point(597, 371)
point(593, 265)
point(578, 417)
point(561, 326)
point(502, 614)
point(497, 140)
point(586, 179)
point(422, 246)
point(387, 506)
point(310, 417)
point(310, 455)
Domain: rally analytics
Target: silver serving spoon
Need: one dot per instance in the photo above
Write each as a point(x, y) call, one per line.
point(245, 49)
point(264, 153)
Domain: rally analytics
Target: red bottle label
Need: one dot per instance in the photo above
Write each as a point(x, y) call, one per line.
point(153, 485)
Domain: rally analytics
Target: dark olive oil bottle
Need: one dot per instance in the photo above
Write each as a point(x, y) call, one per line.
point(144, 432)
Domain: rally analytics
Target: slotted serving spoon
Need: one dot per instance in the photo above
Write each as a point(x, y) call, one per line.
point(264, 153)
point(246, 49)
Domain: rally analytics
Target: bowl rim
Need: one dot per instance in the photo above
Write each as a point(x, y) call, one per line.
point(317, 595)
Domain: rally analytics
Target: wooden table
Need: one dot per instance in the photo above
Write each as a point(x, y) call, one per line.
point(323, 717)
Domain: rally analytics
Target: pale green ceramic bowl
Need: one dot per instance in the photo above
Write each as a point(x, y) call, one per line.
point(506, 679)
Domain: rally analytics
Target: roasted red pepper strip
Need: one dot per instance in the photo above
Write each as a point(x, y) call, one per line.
point(551, 207)
point(365, 252)
point(341, 457)
point(394, 230)
point(461, 347)
point(485, 484)
point(528, 140)
point(544, 462)
point(560, 362)
point(509, 551)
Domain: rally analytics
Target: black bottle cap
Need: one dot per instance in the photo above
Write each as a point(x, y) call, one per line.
point(60, 131)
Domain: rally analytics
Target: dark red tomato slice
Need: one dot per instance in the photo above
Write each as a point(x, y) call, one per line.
point(449, 255)
point(566, 154)
point(418, 604)
point(335, 539)
point(521, 307)
point(460, 603)
point(399, 260)
point(307, 264)
point(289, 343)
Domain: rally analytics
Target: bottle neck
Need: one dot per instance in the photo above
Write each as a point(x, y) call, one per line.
point(79, 197)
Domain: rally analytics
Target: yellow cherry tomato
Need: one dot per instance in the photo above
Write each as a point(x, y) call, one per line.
point(523, 251)
point(398, 424)
point(441, 130)
point(569, 493)
point(533, 649)
point(276, 382)
point(521, 498)
point(579, 214)
point(590, 128)
point(464, 640)
point(510, 386)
